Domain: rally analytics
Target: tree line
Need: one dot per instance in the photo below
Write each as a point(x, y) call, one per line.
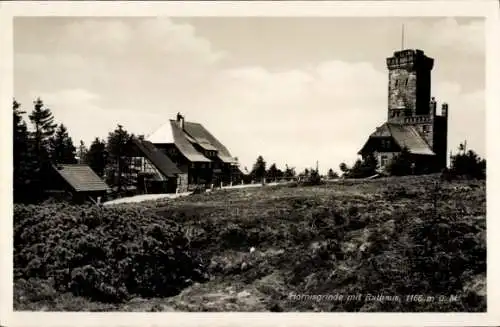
point(260, 172)
point(464, 164)
point(47, 143)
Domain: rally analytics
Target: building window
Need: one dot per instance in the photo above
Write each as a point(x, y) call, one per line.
point(425, 128)
point(397, 82)
point(406, 82)
point(383, 161)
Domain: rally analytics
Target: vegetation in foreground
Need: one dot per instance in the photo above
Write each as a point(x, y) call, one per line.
point(391, 237)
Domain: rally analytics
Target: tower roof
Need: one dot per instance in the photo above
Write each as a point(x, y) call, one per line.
point(406, 52)
point(412, 58)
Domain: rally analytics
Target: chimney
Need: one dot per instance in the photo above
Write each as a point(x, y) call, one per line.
point(444, 110)
point(432, 107)
point(180, 120)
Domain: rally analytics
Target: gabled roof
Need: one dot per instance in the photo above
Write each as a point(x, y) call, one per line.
point(170, 133)
point(184, 144)
point(207, 141)
point(81, 178)
point(163, 135)
point(405, 136)
point(156, 157)
point(185, 139)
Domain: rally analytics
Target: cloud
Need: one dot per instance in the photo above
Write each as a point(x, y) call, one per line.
point(81, 111)
point(467, 117)
point(298, 117)
point(463, 38)
point(325, 114)
point(469, 38)
point(151, 38)
point(97, 73)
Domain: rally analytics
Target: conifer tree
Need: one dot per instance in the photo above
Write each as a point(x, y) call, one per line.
point(62, 150)
point(115, 149)
point(332, 174)
point(259, 169)
point(44, 128)
point(289, 172)
point(96, 156)
point(22, 162)
point(273, 172)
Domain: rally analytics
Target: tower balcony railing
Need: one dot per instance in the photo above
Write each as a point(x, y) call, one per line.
point(417, 119)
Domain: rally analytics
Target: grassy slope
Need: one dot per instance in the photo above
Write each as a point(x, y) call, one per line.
point(369, 237)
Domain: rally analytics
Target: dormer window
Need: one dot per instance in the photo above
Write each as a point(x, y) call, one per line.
point(386, 144)
point(211, 153)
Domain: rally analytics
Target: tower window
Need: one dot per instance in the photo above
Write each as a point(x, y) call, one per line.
point(406, 82)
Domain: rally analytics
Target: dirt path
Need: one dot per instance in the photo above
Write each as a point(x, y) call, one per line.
point(150, 197)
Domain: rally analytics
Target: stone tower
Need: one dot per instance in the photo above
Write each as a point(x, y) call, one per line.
point(409, 83)
point(410, 102)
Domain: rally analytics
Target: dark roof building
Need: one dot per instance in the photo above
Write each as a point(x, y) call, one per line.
point(81, 178)
point(195, 151)
point(78, 180)
point(193, 141)
point(158, 159)
point(412, 119)
point(402, 136)
point(150, 170)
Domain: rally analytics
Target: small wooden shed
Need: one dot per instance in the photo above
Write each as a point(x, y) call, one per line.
point(80, 181)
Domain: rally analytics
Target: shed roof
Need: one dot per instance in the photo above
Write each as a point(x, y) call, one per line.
point(81, 178)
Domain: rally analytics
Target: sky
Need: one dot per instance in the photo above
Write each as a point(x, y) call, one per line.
point(294, 90)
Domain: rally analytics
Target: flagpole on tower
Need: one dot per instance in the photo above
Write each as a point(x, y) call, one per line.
point(403, 37)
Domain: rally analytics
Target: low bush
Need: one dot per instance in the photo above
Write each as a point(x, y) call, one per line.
point(313, 178)
point(107, 254)
point(467, 165)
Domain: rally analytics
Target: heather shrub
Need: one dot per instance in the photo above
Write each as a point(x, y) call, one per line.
point(107, 254)
point(313, 178)
point(468, 165)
